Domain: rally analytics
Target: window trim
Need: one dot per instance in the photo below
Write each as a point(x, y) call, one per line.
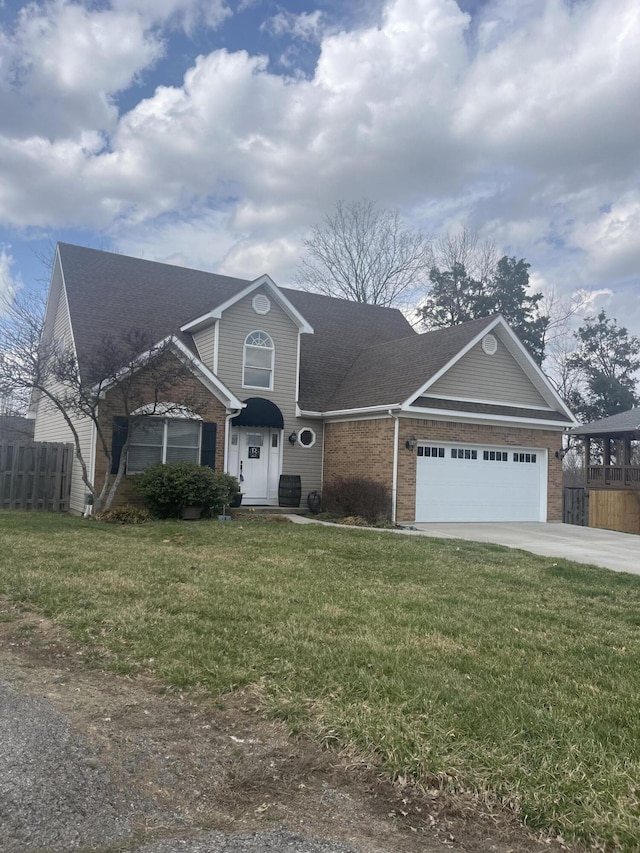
point(271, 369)
point(314, 437)
point(165, 430)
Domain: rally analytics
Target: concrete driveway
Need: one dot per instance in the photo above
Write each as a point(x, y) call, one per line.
point(606, 548)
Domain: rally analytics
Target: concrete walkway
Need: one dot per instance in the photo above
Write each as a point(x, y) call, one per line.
point(606, 548)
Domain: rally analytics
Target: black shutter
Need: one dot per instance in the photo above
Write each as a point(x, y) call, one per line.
point(208, 452)
point(118, 438)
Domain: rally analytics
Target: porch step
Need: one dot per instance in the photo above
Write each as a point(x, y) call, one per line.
point(270, 510)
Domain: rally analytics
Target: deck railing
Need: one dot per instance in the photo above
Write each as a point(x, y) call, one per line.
point(613, 476)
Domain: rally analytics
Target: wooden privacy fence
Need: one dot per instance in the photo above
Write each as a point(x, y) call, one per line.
point(575, 505)
point(613, 509)
point(35, 475)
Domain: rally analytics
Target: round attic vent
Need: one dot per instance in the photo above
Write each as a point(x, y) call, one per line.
point(489, 344)
point(261, 304)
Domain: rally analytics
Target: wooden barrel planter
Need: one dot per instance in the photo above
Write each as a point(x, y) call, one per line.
point(289, 490)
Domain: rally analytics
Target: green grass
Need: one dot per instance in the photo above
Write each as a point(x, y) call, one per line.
point(470, 666)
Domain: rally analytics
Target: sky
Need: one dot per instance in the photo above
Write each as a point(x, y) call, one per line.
point(215, 133)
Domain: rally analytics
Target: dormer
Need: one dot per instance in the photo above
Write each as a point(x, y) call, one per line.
point(252, 340)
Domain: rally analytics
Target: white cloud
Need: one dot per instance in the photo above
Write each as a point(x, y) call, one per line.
point(274, 140)
point(611, 239)
point(199, 239)
point(308, 26)
point(251, 258)
point(522, 123)
point(64, 63)
point(186, 13)
point(10, 283)
point(556, 95)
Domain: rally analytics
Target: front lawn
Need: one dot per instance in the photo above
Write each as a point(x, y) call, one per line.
point(465, 665)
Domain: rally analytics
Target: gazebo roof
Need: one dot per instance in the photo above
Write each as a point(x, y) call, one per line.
point(621, 424)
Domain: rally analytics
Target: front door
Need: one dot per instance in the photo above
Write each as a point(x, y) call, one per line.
point(254, 459)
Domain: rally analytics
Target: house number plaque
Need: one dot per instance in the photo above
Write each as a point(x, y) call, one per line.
point(254, 453)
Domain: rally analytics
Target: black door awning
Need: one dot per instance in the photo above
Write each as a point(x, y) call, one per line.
point(259, 412)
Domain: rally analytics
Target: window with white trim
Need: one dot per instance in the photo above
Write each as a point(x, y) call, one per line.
point(163, 440)
point(257, 368)
point(306, 437)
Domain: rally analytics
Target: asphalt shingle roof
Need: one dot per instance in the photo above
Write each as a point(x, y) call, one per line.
point(111, 294)
point(342, 330)
point(391, 372)
point(359, 355)
point(628, 421)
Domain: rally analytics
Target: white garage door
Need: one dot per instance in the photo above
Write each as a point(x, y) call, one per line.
point(474, 482)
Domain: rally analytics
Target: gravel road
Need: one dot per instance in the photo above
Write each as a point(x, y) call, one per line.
point(56, 796)
point(271, 842)
point(53, 793)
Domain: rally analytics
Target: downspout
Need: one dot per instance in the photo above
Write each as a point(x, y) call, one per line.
point(227, 427)
point(88, 509)
point(394, 481)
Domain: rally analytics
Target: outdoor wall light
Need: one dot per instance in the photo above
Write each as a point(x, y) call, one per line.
point(410, 444)
point(292, 437)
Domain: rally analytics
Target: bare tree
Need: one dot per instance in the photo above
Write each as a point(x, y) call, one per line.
point(366, 254)
point(129, 376)
point(561, 342)
point(464, 248)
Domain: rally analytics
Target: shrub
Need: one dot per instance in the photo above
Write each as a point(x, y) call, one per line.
point(354, 496)
point(126, 514)
point(167, 489)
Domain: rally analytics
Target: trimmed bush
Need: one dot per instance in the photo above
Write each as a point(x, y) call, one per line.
point(126, 514)
point(167, 489)
point(354, 496)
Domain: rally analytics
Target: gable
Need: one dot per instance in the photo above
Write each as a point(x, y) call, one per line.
point(263, 290)
point(392, 373)
point(239, 320)
point(497, 378)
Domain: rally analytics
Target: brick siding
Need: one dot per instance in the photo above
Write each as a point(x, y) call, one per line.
point(189, 392)
point(365, 449)
point(359, 449)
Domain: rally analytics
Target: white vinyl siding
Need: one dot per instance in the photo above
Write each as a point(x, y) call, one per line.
point(205, 344)
point(50, 424)
point(495, 378)
point(236, 323)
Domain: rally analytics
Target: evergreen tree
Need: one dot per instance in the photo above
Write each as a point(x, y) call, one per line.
point(605, 362)
point(455, 297)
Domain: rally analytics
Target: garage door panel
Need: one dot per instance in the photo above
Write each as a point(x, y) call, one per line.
point(449, 488)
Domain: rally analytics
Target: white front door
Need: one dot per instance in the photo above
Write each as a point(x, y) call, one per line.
point(254, 458)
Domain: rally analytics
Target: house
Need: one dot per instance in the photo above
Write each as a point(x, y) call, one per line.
point(612, 470)
point(460, 424)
